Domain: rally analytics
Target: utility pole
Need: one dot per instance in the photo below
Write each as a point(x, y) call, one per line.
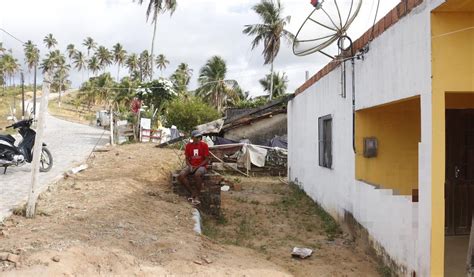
point(34, 92)
point(22, 96)
point(38, 147)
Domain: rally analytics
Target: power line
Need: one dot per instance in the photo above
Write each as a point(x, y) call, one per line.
point(17, 39)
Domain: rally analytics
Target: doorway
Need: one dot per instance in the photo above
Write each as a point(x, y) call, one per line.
point(459, 188)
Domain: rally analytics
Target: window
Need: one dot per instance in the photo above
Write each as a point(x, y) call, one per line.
point(325, 141)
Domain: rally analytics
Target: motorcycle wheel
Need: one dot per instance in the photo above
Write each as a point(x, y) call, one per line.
point(46, 161)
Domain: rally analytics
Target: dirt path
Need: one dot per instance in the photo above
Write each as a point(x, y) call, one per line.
point(120, 217)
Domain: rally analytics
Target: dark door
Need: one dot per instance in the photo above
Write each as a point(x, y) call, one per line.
point(459, 188)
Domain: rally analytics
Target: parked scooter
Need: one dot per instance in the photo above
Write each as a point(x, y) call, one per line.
point(11, 155)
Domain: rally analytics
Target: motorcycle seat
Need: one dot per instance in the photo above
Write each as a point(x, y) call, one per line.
point(7, 138)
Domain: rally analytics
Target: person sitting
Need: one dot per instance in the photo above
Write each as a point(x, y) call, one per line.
point(197, 158)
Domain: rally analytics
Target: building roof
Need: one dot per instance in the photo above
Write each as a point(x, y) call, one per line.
point(390, 19)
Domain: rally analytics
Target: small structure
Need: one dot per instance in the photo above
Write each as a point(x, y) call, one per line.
point(210, 195)
point(259, 125)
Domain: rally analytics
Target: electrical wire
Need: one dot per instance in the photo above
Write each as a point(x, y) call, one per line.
point(375, 20)
point(6, 32)
point(453, 32)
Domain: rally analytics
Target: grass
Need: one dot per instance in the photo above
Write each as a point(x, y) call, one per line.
point(384, 271)
point(71, 110)
point(297, 199)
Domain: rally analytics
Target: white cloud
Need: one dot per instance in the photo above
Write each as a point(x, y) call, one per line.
point(198, 30)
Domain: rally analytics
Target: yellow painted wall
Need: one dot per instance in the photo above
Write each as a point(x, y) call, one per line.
point(397, 129)
point(453, 71)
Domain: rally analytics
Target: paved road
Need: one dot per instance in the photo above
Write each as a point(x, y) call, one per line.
point(70, 145)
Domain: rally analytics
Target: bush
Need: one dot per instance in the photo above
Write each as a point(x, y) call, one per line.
point(187, 113)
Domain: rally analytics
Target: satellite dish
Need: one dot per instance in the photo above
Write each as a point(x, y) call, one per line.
point(326, 24)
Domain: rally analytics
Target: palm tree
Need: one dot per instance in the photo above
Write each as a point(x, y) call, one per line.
point(79, 62)
point(132, 63)
point(32, 55)
point(52, 61)
point(104, 57)
point(280, 84)
point(214, 87)
point(94, 65)
point(90, 44)
point(270, 31)
point(156, 7)
point(71, 51)
point(181, 78)
point(50, 41)
point(2, 49)
point(55, 63)
point(145, 65)
point(161, 63)
point(119, 57)
point(9, 66)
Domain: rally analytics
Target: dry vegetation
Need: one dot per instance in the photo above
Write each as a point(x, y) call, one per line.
point(73, 110)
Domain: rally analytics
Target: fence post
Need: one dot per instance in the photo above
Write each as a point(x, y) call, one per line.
point(32, 195)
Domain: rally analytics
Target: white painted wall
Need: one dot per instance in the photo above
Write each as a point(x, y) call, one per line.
point(398, 66)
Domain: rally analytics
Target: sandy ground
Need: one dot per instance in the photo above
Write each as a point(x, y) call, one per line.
point(120, 217)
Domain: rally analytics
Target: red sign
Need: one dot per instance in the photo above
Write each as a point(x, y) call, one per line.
point(136, 105)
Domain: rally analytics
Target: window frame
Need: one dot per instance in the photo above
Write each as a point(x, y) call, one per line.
point(324, 142)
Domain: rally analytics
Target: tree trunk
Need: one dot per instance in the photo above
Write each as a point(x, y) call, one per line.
point(153, 46)
point(111, 125)
point(118, 73)
point(38, 147)
point(271, 81)
point(34, 92)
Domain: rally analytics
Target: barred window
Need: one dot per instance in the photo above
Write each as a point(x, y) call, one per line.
point(325, 141)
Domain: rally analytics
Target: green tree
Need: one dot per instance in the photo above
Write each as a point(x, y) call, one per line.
point(80, 62)
point(93, 65)
point(125, 93)
point(214, 87)
point(32, 56)
point(270, 31)
point(181, 78)
point(104, 57)
point(119, 55)
point(280, 84)
point(156, 94)
point(50, 41)
point(161, 63)
point(145, 66)
point(187, 113)
point(155, 7)
point(90, 44)
point(71, 51)
point(133, 65)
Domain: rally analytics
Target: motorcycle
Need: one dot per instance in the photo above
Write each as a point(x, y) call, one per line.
point(11, 155)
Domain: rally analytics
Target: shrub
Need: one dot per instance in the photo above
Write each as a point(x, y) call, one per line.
point(187, 113)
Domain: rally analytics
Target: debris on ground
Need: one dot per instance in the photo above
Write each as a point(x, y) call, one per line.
point(302, 253)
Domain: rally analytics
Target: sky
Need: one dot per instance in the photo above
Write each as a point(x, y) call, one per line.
point(198, 30)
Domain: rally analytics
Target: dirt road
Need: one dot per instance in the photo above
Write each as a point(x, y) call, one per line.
point(120, 217)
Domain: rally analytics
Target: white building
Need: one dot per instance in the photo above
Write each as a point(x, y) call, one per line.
point(415, 82)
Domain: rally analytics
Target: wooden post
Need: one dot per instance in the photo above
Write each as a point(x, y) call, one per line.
point(111, 125)
point(33, 196)
point(22, 96)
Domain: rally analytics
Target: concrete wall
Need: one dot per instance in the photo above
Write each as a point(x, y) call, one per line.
point(260, 131)
point(398, 132)
point(397, 67)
